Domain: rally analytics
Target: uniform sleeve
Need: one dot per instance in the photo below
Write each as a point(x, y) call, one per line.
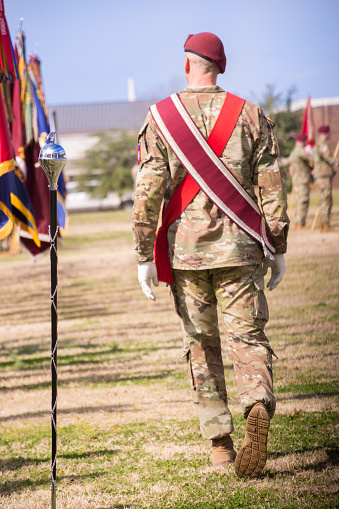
point(271, 185)
point(308, 158)
point(325, 155)
point(151, 184)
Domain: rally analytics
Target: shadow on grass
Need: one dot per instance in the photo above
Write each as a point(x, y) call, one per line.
point(69, 361)
point(332, 459)
point(31, 314)
point(87, 357)
point(92, 454)
point(94, 379)
point(63, 360)
point(9, 487)
point(67, 411)
point(19, 462)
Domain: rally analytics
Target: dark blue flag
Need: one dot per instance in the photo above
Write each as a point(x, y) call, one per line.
point(16, 207)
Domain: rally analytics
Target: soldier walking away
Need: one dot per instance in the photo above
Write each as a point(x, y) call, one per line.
point(324, 172)
point(202, 152)
point(301, 165)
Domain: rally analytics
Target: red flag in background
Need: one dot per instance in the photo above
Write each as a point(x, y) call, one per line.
point(308, 124)
point(6, 166)
point(17, 128)
point(6, 152)
point(15, 205)
point(7, 61)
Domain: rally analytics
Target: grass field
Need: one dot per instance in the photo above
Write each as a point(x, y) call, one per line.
point(128, 436)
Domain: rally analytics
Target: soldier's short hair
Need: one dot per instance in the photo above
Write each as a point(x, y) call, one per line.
point(204, 65)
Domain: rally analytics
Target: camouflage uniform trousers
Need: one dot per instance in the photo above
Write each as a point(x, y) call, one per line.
point(302, 200)
point(239, 293)
point(325, 201)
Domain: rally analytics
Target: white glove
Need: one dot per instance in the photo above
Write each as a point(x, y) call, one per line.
point(147, 271)
point(278, 269)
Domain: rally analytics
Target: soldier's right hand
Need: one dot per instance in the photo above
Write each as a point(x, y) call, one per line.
point(147, 272)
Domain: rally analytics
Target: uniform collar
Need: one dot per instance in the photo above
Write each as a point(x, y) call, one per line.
point(208, 89)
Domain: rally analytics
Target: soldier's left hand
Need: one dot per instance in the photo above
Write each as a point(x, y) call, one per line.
point(278, 269)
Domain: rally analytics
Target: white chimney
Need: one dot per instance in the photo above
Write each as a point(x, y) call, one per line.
point(131, 90)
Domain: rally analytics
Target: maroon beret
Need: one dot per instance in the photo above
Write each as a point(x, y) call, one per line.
point(207, 46)
point(324, 129)
point(301, 137)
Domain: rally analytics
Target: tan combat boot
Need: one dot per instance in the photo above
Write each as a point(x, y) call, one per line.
point(223, 453)
point(252, 455)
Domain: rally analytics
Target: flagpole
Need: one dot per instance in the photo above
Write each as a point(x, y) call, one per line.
point(52, 158)
point(53, 233)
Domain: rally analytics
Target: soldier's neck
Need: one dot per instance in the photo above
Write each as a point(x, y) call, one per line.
point(206, 80)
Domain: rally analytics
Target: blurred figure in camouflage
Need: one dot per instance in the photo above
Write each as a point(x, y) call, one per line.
point(212, 258)
point(324, 173)
point(301, 164)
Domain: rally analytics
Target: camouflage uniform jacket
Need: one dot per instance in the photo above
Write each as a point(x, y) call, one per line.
point(300, 168)
point(323, 161)
point(203, 237)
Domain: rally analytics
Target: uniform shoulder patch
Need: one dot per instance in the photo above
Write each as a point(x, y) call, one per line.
point(269, 120)
point(139, 152)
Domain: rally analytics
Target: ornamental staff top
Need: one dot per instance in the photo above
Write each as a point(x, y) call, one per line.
point(52, 158)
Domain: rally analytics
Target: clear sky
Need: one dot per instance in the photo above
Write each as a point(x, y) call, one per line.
point(89, 49)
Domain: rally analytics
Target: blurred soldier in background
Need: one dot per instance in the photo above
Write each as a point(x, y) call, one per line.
point(301, 164)
point(212, 260)
point(324, 172)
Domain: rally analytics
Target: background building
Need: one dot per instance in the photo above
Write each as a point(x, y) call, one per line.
point(77, 125)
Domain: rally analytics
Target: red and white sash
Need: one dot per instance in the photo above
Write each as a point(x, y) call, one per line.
point(201, 160)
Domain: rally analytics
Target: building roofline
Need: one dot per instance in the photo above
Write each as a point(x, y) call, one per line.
point(325, 101)
point(101, 103)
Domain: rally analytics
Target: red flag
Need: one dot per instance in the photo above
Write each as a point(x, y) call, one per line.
point(6, 165)
point(308, 124)
point(18, 138)
point(7, 61)
point(6, 152)
point(15, 205)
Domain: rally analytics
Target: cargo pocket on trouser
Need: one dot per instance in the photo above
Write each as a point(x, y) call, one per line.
point(206, 373)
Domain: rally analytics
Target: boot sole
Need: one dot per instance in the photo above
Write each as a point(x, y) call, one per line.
point(252, 456)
